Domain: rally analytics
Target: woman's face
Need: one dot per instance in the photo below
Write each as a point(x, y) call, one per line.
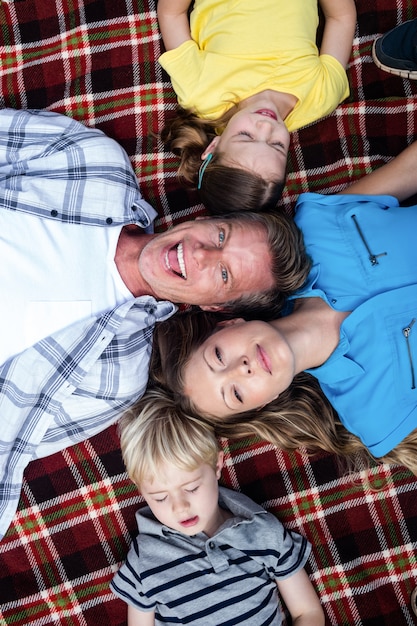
point(240, 367)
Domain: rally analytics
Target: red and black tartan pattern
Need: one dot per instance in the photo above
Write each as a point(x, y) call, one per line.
point(97, 62)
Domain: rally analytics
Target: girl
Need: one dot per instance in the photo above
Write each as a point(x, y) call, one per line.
point(352, 327)
point(245, 74)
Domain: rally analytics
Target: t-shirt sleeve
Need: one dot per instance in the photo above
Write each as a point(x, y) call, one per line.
point(335, 76)
point(184, 66)
point(329, 87)
point(127, 583)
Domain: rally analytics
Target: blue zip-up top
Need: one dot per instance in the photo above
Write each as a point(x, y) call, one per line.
point(365, 261)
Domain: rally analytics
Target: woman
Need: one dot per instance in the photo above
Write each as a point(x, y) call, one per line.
point(353, 327)
point(246, 74)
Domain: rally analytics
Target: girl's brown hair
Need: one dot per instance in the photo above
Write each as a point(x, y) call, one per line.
point(223, 188)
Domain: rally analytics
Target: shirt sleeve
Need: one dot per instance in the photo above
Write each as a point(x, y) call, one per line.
point(70, 386)
point(185, 66)
point(55, 167)
point(328, 89)
point(127, 583)
point(285, 552)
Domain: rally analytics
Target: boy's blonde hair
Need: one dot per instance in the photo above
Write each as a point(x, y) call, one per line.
point(155, 431)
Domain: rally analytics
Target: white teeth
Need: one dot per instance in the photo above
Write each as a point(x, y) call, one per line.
point(181, 263)
point(180, 259)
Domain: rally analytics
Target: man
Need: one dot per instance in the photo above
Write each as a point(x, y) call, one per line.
point(86, 280)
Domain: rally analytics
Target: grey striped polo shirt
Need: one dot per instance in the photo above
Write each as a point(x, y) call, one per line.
point(226, 579)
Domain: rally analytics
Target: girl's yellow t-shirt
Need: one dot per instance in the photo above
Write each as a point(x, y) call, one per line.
point(240, 48)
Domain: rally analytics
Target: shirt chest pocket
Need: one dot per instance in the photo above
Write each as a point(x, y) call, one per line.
point(402, 335)
point(383, 243)
point(409, 333)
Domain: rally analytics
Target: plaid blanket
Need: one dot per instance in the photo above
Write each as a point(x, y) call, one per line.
point(95, 60)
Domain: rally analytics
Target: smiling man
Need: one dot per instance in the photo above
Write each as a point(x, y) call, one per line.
point(205, 262)
point(86, 280)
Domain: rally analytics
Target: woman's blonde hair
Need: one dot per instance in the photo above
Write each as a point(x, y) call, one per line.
point(301, 417)
point(223, 188)
point(155, 431)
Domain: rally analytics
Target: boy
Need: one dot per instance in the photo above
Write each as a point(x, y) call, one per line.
point(204, 555)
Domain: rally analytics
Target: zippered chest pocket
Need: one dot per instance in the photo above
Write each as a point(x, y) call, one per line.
point(373, 258)
point(400, 336)
point(384, 244)
point(410, 352)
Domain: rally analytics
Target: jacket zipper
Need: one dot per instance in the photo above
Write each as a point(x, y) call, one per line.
point(372, 257)
point(406, 333)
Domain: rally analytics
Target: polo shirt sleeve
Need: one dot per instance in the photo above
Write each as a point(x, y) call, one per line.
point(285, 552)
point(127, 583)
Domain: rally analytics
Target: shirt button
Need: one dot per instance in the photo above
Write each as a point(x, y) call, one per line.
point(212, 545)
point(134, 208)
point(54, 213)
point(109, 220)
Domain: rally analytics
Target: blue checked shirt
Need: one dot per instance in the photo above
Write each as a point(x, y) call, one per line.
point(76, 382)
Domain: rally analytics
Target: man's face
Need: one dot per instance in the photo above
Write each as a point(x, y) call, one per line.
point(207, 262)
